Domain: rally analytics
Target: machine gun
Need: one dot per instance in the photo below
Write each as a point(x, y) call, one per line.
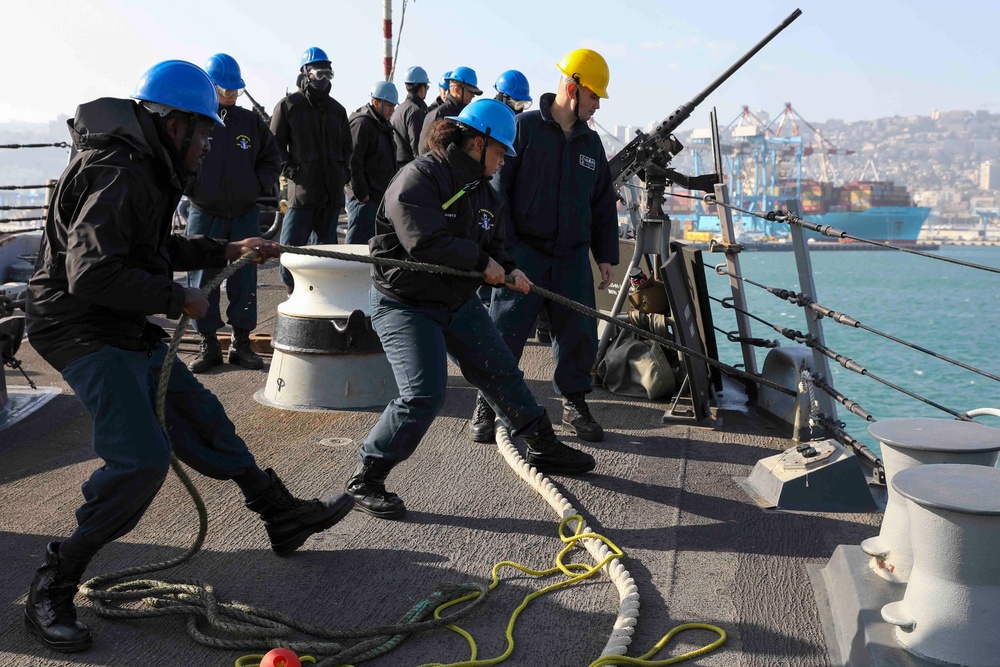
point(257, 107)
point(648, 155)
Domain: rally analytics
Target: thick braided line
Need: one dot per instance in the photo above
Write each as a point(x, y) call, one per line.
point(197, 599)
point(628, 592)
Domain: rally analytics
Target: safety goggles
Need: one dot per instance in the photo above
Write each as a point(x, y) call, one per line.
point(228, 92)
point(520, 105)
point(316, 74)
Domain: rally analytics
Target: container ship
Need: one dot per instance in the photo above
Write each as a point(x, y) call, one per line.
point(763, 166)
point(876, 210)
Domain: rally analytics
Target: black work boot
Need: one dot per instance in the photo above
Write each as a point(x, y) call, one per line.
point(543, 329)
point(576, 413)
point(290, 521)
point(240, 352)
point(482, 425)
point(50, 613)
point(209, 354)
point(549, 455)
point(367, 487)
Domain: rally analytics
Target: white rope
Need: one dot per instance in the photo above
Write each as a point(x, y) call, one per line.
point(628, 592)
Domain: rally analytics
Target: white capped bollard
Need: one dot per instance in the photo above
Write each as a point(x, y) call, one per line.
point(326, 354)
point(907, 443)
point(951, 609)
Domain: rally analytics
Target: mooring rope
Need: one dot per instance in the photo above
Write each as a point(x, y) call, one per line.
point(255, 628)
point(545, 294)
point(610, 562)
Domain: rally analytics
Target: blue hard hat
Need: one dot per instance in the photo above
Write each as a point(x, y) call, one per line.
point(491, 117)
point(386, 91)
point(180, 85)
point(513, 84)
point(444, 80)
point(416, 75)
point(467, 76)
point(313, 54)
point(224, 72)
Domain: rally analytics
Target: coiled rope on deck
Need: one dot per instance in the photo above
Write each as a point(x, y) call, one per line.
point(256, 628)
point(253, 627)
point(608, 557)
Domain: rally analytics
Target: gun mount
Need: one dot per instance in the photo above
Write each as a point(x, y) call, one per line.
point(648, 156)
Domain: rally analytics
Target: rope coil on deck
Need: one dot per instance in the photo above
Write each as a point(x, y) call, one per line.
point(259, 627)
point(628, 592)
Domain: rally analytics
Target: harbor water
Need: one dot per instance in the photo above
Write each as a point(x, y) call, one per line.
point(943, 307)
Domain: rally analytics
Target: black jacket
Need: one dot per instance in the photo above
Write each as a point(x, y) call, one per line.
point(314, 140)
point(244, 163)
point(451, 107)
point(373, 158)
point(407, 123)
point(560, 189)
point(411, 225)
point(107, 255)
point(438, 101)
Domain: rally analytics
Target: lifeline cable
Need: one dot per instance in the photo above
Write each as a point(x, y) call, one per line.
point(58, 144)
point(21, 219)
point(803, 301)
point(28, 187)
point(846, 362)
point(833, 232)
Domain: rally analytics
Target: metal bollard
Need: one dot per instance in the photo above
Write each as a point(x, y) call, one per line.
point(951, 608)
point(911, 442)
point(327, 356)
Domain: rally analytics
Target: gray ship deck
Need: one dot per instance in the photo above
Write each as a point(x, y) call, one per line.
point(698, 549)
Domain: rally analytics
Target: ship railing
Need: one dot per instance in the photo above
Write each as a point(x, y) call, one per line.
point(817, 384)
point(17, 222)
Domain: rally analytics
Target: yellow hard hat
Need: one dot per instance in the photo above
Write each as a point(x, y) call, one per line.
point(587, 67)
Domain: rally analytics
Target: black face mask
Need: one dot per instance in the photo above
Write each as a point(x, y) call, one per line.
point(318, 88)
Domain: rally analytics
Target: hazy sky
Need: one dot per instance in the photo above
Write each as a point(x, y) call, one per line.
point(841, 59)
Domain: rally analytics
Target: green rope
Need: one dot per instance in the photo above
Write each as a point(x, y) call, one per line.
point(253, 628)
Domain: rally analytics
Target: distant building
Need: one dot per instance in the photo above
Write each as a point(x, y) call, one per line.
point(989, 176)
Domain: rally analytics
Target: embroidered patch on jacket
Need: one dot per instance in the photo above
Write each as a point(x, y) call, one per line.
point(243, 141)
point(588, 162)
point(485, 219)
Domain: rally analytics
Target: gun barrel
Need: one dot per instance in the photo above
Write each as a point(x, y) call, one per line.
point(624, 164)
point(257, 107)
point(742, 61)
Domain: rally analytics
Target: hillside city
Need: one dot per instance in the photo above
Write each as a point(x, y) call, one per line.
point(949, 160)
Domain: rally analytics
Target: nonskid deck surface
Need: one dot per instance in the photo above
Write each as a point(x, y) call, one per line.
point(698, 550)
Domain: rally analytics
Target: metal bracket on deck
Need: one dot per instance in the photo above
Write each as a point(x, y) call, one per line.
point(715, 245)
point(682, 410)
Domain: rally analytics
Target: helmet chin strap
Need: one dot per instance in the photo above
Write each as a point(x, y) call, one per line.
point(486, 143)
point(576, 96)
point(192, 126)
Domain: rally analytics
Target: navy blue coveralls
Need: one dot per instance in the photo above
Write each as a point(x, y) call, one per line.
point(423, 318)
point(243, 164)
point(106, 261)
point(562, 208)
